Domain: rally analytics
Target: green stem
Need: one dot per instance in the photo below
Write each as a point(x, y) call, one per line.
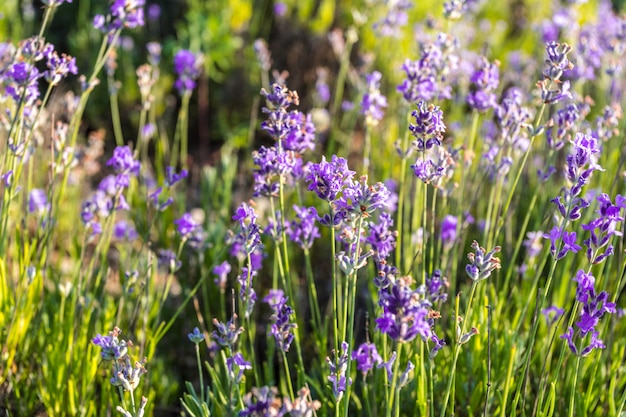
point(457, 350)
point(394, 381)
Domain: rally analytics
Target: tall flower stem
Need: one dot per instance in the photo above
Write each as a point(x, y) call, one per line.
point(351, 297)
point(457, 348)
point(401, 198)
point(394, 381)
point(181, 133)
point(574, 383)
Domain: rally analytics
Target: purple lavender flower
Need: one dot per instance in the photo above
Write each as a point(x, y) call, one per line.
point(428, 128)
point(568, 241)
point(366, 356)
point(38, 202)
point(246, 291)
point(381, 237)
point(303, 231)
point(434, 290)
point(594, 307)
point(112, 347)
point(196, 336)
point(171, 177)
point(59, 67)
point(280, 9)
point(273, 163)
point(557, 62)
point(338, 367)
point(21, 83)
point(236, 366)
point(552, 314)
point(226, 334)
point(248, 237)
point(281, 328)
point(124, 230)
point(328, 179)
point(602, 229)
point(186, 225)
point(403, 316)
point(262, 402)
point(482, 263)
point(388, 365)
point(361, 199)
point(167, 260)
point(485, 80)
point(395, 19)
point(124, 165)
point(122, 14)
point(438, 345)
point(188, 67)
point(373, 101)
point(222, 270)
point(448, 230)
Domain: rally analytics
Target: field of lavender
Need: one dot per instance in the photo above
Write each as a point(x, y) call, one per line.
point(312, 208)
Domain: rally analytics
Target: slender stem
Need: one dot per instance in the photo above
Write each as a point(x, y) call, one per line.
point(574, 383)
point(457, 350)
point(288, 375)
point(200, 372)
point(394, 381)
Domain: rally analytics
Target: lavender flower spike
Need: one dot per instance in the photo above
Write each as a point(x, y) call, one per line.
point(482, 263)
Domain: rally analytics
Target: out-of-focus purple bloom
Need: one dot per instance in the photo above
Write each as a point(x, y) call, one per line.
point(263, 54)
point(449, 230)
point(236, 366)
point(366, 356)
point(167, 260)
point(262, 402)
point(553, 96)
point(171, 177)
point(124, 165)
point(455, 9)
point(429, 127)
point(280, 9)
point(396, 17)
point(373, 101)
point(186, 225)
point(338, 367)
point(222, 270)
point(188, 67)
point(154, 53)
point(552, 314)
point(557, 62)
point(154, 12)
point(281, 328)
point(403, 316)
point(122, 14)
point(226, 334)
point(484, 80)
point(303, 231)
point(564, 122)
point(38, 202)
point(21, 83)
point(124, 230)
point(429, 77)
point(59, 67)
point(482, 263)
point(533, 244)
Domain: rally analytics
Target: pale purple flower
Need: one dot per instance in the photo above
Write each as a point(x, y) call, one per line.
point(366, 356)
point(186, 225)
point(281, 327)
point(226, 334)
point(373, 101)
point(188, 67)
point(448, 232)
point(222, 270)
